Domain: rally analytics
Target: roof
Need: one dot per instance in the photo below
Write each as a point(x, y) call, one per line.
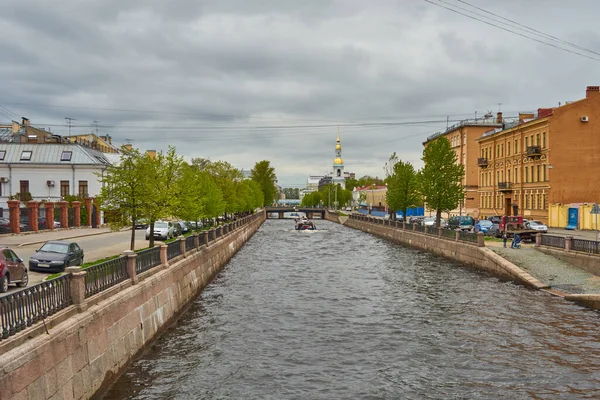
point(467, 122)
point(51, 153)
point(371, 187)
point(508, 125)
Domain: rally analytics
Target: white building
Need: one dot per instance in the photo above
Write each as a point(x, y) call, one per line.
point(50, 171)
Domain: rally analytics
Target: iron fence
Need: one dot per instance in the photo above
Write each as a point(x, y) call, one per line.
point(409, 226)
point(432, 230)
point(104, 275)
point(190, 243)
point(467, 237)
point(25, 307)
point(173, 249)
point(553, 241)
point(148, 258)
point(449, 233)
point(587, 246)
point(419, 228)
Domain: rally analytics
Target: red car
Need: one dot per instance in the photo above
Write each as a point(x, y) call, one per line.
point(12, 269)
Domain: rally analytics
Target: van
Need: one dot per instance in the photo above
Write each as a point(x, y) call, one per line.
point(462, 222)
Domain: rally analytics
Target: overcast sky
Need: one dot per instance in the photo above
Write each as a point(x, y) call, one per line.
point(249, 80)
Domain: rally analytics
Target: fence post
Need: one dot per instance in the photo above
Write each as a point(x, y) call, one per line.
point(130, 255)
point(538, 239)
point(77, 287)
point(440, 231)
point(403, 225)
point(182, 245)
point(457, 238)
point(164, 258)
point(196, 240)
point(480, 239)
point(205, 238)
point(414, 227)
point(568, 243)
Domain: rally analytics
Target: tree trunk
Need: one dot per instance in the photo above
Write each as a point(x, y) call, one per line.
point(151, 236)
point(438, 216)
point(132, 244)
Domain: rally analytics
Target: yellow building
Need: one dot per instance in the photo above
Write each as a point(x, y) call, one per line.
point(543, 160)
point(463, 139)
point(101, 143)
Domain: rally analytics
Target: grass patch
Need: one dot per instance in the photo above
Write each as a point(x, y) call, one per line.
point(492, 239)
point(89, 264)
point(56, 275)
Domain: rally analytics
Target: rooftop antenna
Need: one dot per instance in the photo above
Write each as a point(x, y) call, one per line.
point(499, 109)
point(69, 122)
point(95, 124)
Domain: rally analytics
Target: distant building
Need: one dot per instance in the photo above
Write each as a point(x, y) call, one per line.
point(338, 177)
point(101, 143)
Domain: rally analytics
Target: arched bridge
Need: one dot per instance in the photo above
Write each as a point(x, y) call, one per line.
point(309, 211)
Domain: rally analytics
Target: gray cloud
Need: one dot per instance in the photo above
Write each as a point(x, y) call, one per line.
point(155, 71)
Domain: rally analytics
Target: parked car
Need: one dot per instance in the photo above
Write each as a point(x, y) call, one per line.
point(462, 222)
point(56, 255)
point(483, 226)
point(415, 220)
point(494, 231)
point(185, 226)
point(162, 230)
point(430, 221)
point(141, 223)
point(537, 225)
point(495, 218)
point(56, 224)
point(177, 229)
point(4, 225)
point(12, 269)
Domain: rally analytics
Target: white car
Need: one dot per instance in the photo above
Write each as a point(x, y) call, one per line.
point(430, 221)
point(538, 226)
point(162, 230)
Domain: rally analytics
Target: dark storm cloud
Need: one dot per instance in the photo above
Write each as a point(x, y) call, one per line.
point(152, 71)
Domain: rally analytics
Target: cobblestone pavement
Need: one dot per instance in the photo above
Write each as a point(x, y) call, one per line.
point(555, 273)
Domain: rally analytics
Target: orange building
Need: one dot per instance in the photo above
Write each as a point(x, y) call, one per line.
point(463, 138)
point(530, 164)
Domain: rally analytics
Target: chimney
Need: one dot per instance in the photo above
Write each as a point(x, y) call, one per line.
point(109, 139)
point(524, 116)
point(590, 90)
point(151, 154)
point(544, 112)
point(25, 121)
point(128, 146)
point(499, 118)
point(15, 127)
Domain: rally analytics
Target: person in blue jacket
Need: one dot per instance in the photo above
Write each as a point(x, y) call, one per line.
point(516, 243)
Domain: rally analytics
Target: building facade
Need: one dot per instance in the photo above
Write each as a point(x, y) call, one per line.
point(338, 174)
point(541, 160)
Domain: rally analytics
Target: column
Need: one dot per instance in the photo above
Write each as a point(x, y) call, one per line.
point(568, 243)
point(131, 272)
point(98, 220)
point(88, 207)
point(182, 245)
point(15, 215)
point(480, 239)
point(77, 213)
point(538, 239)
point(33, 215)
point(164, 258)
point(64, 213)
point(205, 238)
point(49, 215)
point(77, 287)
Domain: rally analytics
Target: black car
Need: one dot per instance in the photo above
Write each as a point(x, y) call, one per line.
point(177, 229)
point(56, 255)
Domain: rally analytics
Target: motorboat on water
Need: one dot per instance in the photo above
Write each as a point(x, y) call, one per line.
point(304, 224)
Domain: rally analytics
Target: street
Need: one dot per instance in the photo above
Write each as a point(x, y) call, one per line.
point(94, 247)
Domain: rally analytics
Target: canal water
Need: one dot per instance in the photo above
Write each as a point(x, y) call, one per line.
point(340, 314)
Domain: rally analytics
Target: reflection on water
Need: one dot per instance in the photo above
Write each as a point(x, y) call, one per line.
point(339, 314)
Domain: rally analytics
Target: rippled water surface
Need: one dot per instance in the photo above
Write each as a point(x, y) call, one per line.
point(340, 314)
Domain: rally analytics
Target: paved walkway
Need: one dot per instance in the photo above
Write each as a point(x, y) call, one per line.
point(27, 238)
point(550, 270)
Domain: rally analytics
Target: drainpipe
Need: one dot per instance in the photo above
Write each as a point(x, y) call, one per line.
point(73, 167)
point(9, 179)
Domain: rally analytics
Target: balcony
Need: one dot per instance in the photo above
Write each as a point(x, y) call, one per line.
point(505, 186)
point(534, 151)
point(482, 162)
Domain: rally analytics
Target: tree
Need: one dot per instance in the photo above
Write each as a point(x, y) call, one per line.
point(264, 175)
point(403, 186)
point(124, 189)
point(226, 177)
point(440, 180)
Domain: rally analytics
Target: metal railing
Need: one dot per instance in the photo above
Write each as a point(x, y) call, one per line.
point(190, 243)
point(467, 237)
point(587, 246)
point(553, 241)
point(420, 228)
point(449, 234)
point(173, 249)
point(25, 307)
point(147, 259)
point(104, 275)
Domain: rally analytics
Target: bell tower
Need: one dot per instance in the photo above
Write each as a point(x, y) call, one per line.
point(338, 164)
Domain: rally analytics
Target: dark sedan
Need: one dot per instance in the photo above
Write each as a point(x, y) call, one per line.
point(56, 255)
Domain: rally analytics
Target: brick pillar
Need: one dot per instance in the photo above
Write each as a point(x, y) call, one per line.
point(33, 215)
point(131, 272)
point(182, 245)
point(480, 239)
point(77, 213)
point(64, 213)
point(88, 207)
point(77, 287)
point(538, 239)
point(98, 219)
point(49, 206)
point(568, 243)
point(15, 215)
point(205, 238)
point(164, 258)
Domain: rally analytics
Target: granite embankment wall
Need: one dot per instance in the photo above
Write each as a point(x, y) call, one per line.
point(480, 258)
point(85, 352)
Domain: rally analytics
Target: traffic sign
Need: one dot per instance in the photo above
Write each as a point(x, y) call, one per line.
point(595, 209)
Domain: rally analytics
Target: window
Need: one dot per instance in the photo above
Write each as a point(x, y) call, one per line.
point(2, 155)
point(532, 176)
point(516, 176)
point(508, 175)
point(526, 143)
point(64, 189)
point(66, 156)
point(526, 174)
point(26, 155)
point(544, 140)
point(516, 146)
point(508, 149)
point(83, 187)
point(23, 187)
point(537, 139)
point(539, 171)
point(544, 172)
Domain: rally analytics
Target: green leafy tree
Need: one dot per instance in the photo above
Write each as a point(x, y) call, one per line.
point(265, 176)
point(313, 199)
point(256, 199)
point(124, 190)
point(226, 177)
point(403, 186)
point(440, 180)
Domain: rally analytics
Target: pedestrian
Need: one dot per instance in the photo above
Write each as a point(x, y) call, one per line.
point(504, 238)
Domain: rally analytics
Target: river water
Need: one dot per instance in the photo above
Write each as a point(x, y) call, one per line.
point(340, 314)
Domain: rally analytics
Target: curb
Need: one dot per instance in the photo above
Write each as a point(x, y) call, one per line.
point(63, 238)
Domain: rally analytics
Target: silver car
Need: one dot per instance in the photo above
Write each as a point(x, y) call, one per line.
point(162, 231)
point(538, 226)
